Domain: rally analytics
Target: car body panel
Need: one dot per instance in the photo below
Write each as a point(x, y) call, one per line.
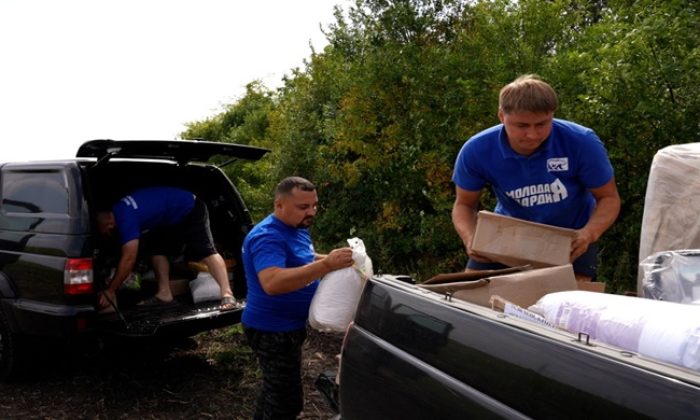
point(47, 216)
point(177, 150)
point(410, 352)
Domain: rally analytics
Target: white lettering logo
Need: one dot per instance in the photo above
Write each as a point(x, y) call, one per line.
point(535, 195)
point(129, 201)
point(558, 164)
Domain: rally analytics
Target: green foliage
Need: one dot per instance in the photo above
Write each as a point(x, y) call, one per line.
point(378, 117)
point(244, 122)
point(633, 77)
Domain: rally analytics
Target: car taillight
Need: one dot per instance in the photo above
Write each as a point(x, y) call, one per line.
point(77, 277)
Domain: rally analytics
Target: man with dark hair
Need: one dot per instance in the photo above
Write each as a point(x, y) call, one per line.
point(162, 220)
point(282, 271)
point(541, 169)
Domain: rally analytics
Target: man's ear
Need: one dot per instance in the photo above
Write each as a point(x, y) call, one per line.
point(501, 115)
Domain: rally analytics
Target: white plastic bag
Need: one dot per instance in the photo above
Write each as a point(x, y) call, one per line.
point(205, 288)
point(673, 276)
point(667, 331)
point(336, 298)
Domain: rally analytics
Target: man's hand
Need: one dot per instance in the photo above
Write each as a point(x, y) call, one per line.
point(339, 258)
point(476, 257)
point(107, 298)
point(606, 211)
point(464, 213)
point(583, 238)
point(473, 255)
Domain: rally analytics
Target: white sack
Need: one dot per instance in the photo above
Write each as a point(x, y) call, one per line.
point(336, 298)
point(205, 288)
point(666, 331)
point(671, 202)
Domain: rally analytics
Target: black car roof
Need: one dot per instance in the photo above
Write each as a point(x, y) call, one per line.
point(182, 151)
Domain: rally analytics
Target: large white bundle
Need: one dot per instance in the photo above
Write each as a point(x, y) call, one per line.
point(671, 203)
point(336, 298)
point(666, 331)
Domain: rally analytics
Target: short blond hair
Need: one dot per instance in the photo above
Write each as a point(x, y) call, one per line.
point(527, 93)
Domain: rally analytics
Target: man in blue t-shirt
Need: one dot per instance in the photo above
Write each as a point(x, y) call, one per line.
point(282, 271)
point(540, 169)
point(162, 220)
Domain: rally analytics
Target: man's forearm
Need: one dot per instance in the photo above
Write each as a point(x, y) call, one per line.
point(604, 215)
point(124, 268)
point(126, 264)
point(464, 221)
point(277, 280)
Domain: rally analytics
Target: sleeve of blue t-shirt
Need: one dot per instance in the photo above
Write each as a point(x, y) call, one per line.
point(595, 169)
point(127, 225)
point(467, 172)
point(267, 251)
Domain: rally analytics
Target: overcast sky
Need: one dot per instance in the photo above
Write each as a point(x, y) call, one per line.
point(75, 70)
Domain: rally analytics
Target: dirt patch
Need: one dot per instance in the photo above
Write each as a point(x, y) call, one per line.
point(214, 375)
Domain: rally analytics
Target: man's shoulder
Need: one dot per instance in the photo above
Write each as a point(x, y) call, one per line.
point(483, 140)
point(572, 128)
point(488, 133)
point(573, 135)
point(261, 226)
point(268, 227)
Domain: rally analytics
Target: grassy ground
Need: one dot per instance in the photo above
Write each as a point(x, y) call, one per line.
point(211, 376)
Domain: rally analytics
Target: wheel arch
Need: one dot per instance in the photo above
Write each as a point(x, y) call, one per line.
point(7, 288)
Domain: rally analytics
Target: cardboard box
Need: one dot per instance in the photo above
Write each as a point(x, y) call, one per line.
point(472, 275)
point(515, 242)
point(522, 288)
point(591, 286)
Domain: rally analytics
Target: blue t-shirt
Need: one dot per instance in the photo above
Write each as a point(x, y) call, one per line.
point(550, 186)
point(271, 243)
point(149, 208)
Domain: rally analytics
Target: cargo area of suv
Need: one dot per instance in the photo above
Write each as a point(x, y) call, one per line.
point(53, 264)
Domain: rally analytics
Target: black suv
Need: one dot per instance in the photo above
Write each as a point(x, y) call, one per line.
point(52, 263)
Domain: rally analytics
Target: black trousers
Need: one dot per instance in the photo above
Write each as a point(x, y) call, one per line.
point(192, 235)
point(279, 355)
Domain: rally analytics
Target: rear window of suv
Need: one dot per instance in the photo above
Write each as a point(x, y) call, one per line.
point(34, 191)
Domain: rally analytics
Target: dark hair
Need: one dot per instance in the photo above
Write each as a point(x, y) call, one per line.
point(527, 93)
point(286, 186)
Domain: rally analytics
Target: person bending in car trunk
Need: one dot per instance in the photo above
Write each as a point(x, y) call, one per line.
point(162, 220)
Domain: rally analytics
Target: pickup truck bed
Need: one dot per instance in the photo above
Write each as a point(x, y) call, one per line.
point(412, 353)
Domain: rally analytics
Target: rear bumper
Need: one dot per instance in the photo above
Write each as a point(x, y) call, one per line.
point(205, 321)
point(29, 317)
point(175, 321)
point(33, 317)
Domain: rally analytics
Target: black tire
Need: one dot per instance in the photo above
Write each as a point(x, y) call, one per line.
point(9, 350)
